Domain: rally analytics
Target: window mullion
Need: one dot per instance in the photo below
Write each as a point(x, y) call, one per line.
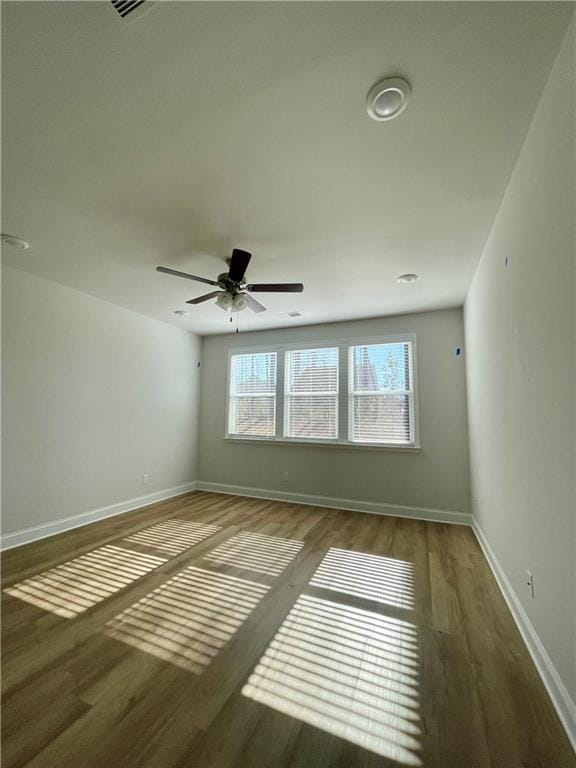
point(413, 436)
point(342, 436)
point(280, 394)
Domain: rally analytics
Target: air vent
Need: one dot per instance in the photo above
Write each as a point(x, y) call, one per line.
point(288, 314)
point(128, 7)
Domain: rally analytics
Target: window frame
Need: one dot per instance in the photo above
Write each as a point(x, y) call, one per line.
point(343, 418)
point(410, 393)
point(286, 395)
point(230, 399)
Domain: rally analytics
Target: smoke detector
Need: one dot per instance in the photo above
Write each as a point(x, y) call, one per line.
point(409, 277)
point(388, 98)
point(14, 242)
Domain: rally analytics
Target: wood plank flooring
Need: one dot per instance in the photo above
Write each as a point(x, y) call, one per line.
point(212, 631)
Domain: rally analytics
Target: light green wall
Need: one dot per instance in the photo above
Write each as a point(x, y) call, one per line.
point(520, 369)
point(436, 477)
point(93, 397)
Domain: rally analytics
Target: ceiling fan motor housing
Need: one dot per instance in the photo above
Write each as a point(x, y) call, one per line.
point(229, 285)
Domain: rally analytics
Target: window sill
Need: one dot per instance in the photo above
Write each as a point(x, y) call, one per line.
point(323, 444)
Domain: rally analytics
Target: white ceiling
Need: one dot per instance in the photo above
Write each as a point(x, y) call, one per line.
point(172, 138)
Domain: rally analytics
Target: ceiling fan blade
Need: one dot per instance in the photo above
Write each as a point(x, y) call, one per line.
point(276, 287)
point(254, 305)
point(238, 264)
point(168, 271)
point(206, 297)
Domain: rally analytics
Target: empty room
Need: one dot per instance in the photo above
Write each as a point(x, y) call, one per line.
point(288, 384)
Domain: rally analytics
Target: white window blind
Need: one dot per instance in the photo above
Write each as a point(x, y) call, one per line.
point(381, 395)
point(252, 396)
point(311, 394)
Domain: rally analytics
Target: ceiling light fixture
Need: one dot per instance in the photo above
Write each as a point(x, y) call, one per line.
point(230, 303)
point(224, 301)
point(409, 277)
point(239, 303)
point(14, 242)
point(388, 98)
point(181, 313)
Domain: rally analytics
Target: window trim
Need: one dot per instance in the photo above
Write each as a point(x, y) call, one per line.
point(411, 393)
point(286, 395)
point(229, 398)
point(343, 345)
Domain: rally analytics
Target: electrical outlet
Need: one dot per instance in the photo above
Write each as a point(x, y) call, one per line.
point(145, 478)
point(285, 477)
point(530, 583)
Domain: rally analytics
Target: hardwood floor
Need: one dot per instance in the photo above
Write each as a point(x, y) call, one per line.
point(212, 631)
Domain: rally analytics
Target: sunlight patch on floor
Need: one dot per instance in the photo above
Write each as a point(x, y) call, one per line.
point(173, 536)
point(256, 552)
point(350, 672)
point(187, 620)
point(75, 586)
point(373, 577)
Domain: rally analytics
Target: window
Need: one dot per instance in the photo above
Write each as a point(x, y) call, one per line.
point(311, 394)
point(252, 397)
point(355, 392)
point(381, 399)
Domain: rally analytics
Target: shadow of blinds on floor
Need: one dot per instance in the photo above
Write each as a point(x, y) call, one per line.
point(372, 577)
point(187, 620)
point(71, 588)
point(173, 536)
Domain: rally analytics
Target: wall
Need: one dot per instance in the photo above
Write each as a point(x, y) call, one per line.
point(519, 324)
point(94, 396)
point(436, 477)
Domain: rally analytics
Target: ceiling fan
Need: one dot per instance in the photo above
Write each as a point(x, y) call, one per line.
point(234, 293)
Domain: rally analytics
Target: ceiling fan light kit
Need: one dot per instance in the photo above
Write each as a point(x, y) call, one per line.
point(224, 301)
point(239, 303)
point(234, 294)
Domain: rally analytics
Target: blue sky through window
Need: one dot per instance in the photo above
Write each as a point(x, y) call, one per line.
point(388, 364)
point(260, 366)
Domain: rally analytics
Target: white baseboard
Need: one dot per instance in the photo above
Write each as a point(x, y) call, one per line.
point(16, 539)
point(352, 505)
point(557, 691)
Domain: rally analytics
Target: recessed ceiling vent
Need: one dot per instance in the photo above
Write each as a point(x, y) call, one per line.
point(130, 7)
